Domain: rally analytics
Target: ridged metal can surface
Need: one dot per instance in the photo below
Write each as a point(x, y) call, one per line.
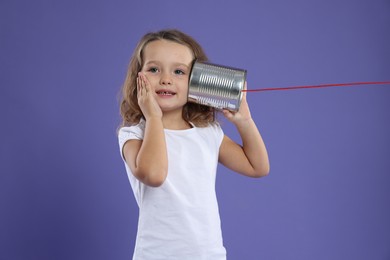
point(216, 86)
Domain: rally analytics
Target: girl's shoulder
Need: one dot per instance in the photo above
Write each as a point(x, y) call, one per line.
point(126, 133)
point(214, 126)
point(212, 130)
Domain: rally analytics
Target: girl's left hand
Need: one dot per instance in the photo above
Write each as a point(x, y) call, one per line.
point(242, 115)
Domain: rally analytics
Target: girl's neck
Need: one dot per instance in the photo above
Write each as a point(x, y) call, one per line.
point(175, 121)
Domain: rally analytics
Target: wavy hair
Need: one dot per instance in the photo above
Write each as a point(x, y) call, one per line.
point(130, 111)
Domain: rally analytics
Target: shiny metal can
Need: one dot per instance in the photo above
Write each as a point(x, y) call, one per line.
point(216, 86)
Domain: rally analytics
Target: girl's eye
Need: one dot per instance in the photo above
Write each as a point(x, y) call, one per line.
point(179, 72)
point(153, 70)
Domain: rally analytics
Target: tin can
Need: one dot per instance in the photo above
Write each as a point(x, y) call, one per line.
point(216, 86)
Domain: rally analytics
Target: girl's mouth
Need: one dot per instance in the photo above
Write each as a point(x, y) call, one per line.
point(165, 93)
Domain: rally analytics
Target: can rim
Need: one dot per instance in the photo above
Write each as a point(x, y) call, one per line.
point(239, 99)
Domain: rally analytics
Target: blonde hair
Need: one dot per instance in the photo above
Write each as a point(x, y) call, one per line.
point(130, 111)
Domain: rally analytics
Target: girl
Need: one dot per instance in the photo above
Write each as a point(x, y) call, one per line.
point(171, 149)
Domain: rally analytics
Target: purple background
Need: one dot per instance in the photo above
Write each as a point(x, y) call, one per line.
point(64, 193)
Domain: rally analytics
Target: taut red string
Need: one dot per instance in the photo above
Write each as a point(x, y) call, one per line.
point(354, 84)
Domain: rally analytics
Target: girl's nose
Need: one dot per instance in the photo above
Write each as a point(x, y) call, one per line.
point(165, 79)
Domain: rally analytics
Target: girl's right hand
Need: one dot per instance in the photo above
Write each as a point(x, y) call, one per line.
point(147, 98)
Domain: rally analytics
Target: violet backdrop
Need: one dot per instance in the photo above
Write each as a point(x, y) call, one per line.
point(64, 193)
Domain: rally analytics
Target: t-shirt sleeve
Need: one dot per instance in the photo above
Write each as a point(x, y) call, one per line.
point(130, 133)
point(218, 133)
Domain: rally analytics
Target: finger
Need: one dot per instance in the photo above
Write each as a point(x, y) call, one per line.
point(139, 87)
point(145, 83)
point(227, 113)
point(141, 83)
point(245, 88)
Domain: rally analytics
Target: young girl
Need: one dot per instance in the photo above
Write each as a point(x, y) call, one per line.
point(171, 149)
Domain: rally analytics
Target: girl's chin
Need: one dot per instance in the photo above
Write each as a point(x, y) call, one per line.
point(170, 109)
point(168, 106)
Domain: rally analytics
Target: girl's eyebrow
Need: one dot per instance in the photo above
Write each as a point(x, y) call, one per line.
point(151, 61)
point(182, 64)
point(175, 64)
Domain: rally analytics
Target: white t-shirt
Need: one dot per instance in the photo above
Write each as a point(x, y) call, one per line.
point(180, 219)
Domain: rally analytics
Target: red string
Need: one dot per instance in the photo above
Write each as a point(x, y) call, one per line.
point(320, 86)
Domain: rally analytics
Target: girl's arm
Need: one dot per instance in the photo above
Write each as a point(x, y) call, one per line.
point(147, 158)
point(250, 159)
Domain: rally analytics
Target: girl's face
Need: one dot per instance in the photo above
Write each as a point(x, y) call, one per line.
point(167, 66)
